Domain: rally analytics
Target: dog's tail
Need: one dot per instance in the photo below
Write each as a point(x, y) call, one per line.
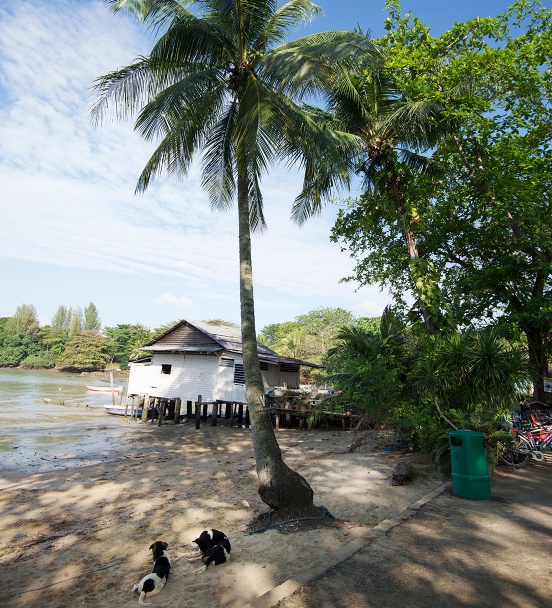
point(141, 599)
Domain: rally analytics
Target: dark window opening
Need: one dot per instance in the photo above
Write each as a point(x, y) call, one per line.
point(239, 374)
point(166, 368)
point(226, 362)
point(264, 365)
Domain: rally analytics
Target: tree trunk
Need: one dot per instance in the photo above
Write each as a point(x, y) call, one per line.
point(538, 361)
point(422, 283)
point(280, 487)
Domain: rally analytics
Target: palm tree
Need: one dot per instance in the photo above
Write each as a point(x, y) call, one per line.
point(476, 373)
point(363, 99)
point(216, 82)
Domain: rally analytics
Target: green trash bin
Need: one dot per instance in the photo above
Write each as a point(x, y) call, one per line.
point(470, 471)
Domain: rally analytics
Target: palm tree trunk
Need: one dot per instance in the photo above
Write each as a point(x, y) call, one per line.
point(418, 277)
point(280, 487)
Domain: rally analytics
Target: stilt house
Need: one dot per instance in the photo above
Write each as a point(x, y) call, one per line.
point(196, 358)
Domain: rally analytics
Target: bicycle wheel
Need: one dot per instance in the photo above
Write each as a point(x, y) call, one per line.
point(514, 459)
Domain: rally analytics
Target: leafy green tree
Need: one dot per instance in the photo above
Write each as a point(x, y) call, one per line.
point(24, 321)
point(309, 335)
point(124, 340)
point(272, 334)
point(490, 230)
point(365, 367)
point(86, 351)
point(485, 226)
point(61, 321)
point(77, 322)
point(217, 82)
point(91, 318)
point(54, 339)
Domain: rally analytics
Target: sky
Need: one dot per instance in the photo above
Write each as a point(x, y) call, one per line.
point(72, 231)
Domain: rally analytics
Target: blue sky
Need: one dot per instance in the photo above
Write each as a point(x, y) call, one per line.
point(73, 232)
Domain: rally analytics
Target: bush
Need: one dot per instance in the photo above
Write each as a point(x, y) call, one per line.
point(39, 361)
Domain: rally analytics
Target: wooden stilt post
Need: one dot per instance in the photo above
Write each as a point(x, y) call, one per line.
point(162, 406)
point(198, 412)
point(204, 415)
point(214, 415)
point(189, 410)
point(145, 408)
point(177, 406)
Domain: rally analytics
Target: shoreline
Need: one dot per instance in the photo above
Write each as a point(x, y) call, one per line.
point(170, 483)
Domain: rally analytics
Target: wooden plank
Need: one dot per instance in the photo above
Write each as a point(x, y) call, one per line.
point(177, 406)
point(145, 408)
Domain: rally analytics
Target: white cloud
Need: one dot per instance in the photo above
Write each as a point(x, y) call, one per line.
point(172, 300)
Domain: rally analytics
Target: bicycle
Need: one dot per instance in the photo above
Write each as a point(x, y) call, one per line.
point(533, 437)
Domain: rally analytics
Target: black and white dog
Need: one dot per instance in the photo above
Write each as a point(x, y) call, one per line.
point(214, 548)
point(154, 582)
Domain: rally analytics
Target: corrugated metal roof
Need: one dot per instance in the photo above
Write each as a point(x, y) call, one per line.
point(200, 337)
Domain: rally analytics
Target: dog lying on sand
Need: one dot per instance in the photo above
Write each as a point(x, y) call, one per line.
point(213, 548)
point(152, 583)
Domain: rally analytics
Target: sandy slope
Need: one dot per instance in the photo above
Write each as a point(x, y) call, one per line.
point(80, 536)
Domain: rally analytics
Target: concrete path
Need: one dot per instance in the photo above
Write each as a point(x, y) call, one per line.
point(444, 551)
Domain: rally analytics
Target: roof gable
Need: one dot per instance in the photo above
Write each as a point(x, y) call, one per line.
point(199, 337)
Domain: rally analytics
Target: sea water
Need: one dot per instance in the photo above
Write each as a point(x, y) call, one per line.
point(38, 433)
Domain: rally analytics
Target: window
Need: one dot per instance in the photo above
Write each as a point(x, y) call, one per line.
point(166, 368)
point(239, 374)
point(226, 362)
point(264, 365)
point(289, 367)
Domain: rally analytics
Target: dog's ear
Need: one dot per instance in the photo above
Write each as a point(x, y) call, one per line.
point(152, 546)
point(164, 544)
point(196, 540)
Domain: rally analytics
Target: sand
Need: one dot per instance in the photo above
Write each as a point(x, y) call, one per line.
point(79, 536)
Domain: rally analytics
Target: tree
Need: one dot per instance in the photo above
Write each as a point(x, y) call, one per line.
point(91, 318)
point(470, 375)
point(61, 320)
point(86, 351)
point(24, 321)
point(366, 367)
point(489, 230)
point(77, 321)
point(216, 82)
point(124, 340)
point(366, 100)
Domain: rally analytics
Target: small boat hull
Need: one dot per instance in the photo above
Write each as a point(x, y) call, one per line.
point(104, 389)
point(119, 410)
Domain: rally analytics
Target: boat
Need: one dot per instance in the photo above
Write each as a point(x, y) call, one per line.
point(119, 410)
point(104, 389)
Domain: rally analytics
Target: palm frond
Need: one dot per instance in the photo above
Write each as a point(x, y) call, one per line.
point(219, 166)
point(289, 15)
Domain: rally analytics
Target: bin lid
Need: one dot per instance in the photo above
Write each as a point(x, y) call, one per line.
point(464, 433)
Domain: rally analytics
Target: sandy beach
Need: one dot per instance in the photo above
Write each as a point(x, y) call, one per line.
point(79, 536)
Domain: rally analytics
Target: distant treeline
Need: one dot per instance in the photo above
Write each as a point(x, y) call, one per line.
point(75, 339)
